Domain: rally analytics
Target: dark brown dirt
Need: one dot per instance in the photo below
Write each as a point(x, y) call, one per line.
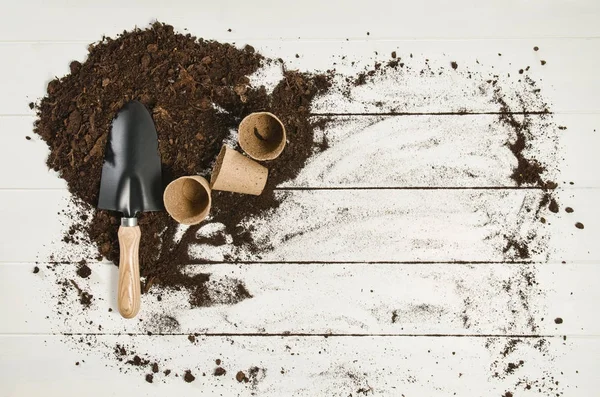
point(85, 298)
point(188, 377)
point(36, 269)
point(138, 361)
point(219, 371)
point(528, 171)
point(83, 269)
point(181, 80)
point(241, 377)
point(569, 210)
point(553, 207)
point(579, 225)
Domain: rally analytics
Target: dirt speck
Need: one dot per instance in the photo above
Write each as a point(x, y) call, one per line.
point(188, 377)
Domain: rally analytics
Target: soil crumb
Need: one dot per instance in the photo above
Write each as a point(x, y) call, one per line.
point(188, 377)
point(83, 269)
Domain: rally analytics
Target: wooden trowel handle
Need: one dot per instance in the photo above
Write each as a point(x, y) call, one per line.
point(128, 298)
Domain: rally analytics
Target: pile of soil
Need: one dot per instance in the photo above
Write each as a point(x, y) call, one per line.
point(197, 92)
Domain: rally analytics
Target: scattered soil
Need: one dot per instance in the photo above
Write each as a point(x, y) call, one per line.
point(241, 377)
point(579, 225)
point(83, 270)
point(138, 361)
point(511, 367)
point(197, 92)
point(553, 206)
point(188, 377)
point(558, 320)
point(85, 298)
point(219, 371)
point(36, 269)
point(569, 210)
point(149, 378)
point(528, 170)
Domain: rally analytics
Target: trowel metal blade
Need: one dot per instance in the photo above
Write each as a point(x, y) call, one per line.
point(131, 174)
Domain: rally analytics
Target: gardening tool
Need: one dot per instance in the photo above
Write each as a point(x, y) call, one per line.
point(131, 183)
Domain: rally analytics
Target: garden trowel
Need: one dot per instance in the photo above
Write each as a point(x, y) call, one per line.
point(131, 183)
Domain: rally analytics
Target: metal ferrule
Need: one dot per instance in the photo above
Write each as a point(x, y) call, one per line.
point(128, 222)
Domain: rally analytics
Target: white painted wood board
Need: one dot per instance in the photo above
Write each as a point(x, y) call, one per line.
point(300, 302)
point(322, 299)
point(304, 366)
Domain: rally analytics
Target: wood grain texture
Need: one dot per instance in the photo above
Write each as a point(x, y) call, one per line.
point(567, 81)
point(344, 225)
point(337, 319)
point(320, 299)
point(128, 290)
point(61, 20)
point(383, 151)
point(305, 366)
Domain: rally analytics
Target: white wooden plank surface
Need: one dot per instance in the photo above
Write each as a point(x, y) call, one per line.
point(60, 20)
point(39, 38)
point(380, 299)
point(303, 366)
point(386, 151)
point(568, 80)
point(344, 225)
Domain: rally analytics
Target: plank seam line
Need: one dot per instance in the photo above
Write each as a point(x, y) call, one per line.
point(326, 188)
point(410, 188)
point(353, 39)
point(391, 114)
point(41, 263)
point(524, 113)
point(292, 334)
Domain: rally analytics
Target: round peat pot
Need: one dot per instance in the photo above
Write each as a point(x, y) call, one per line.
point(234, 172)
point(262, 136)
point(187, 199)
